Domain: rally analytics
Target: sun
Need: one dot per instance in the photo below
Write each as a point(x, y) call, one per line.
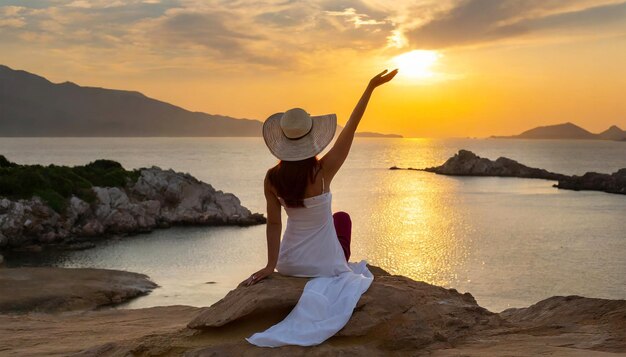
point(417, 63)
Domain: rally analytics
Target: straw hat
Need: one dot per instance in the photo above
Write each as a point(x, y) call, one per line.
point(296, 135)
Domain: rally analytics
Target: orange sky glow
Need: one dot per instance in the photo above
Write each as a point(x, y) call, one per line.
point(467, 68)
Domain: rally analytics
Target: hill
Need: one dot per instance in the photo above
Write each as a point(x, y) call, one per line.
point(367, 134)
point(568, 131)
point(613, 133)
point(31, 105)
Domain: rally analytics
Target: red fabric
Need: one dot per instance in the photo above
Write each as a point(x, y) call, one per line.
point(343, 227)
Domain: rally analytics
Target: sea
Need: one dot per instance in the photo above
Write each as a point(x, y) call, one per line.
point(510, 242)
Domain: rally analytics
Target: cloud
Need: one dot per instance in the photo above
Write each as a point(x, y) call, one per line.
point(208, 29)
point(15, 22)
point(485, 21)
point(285, 34)
point(357, 19)
point(292, 16)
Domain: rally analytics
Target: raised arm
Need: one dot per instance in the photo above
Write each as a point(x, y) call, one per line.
point(332, 161)
point(273, 230)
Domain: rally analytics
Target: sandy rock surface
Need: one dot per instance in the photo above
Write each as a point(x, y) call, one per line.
point(69, 333)
point(46, 289)
point(396, 316)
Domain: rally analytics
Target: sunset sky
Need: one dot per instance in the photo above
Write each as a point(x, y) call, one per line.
point(473, 68)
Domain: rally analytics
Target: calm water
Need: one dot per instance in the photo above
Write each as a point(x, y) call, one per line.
point(510, 242)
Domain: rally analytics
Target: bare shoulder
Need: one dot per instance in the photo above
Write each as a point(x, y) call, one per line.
point(267, 184)
point(326, 174)
point(327, 169)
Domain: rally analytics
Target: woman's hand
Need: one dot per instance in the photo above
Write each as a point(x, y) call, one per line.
point(258, 276)
point(382, 78)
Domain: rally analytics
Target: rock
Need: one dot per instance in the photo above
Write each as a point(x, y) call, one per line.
point(606, 319)
point(570, 310)
point(397, 316)
point(77, 209)
point(397, 312)
point(80, 246)
point(90, 333)
point(47, 237)
point(611, 183)
point(158, 199)
point(62, 289)
point(92, 228)
point(466, 163)
point(33, 248)
point(275, 294)
point(3, 240)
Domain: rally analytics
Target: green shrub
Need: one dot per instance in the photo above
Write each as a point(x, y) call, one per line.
point(6, 163)
point(53, 199)
point(56, 184)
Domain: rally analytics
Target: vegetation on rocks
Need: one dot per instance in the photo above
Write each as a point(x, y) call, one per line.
point(56, 184)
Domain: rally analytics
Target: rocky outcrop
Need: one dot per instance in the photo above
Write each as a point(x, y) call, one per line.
point(66, 334)
point(397, 316)
point(466, 163)
point(611, 183)
point(62, 289)
point(397, 312)
point(159, 198)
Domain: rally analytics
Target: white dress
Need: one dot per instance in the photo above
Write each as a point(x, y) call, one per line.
point(310, 248)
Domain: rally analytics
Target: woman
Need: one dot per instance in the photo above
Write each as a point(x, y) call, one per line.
point(311, 245)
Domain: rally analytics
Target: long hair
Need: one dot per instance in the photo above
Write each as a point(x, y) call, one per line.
point(290, 179)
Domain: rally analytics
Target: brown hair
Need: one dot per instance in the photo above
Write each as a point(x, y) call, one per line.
point(290, 179)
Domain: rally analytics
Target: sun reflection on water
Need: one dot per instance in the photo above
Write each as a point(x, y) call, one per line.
point(417, 227)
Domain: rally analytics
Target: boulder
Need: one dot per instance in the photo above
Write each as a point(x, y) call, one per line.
point(45, 289)
point(397, 312)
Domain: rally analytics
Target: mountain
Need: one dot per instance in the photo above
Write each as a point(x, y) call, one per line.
point(613, 133)
point(368, 134)
point(31, 105)
point(568, 131)
point(559, 131)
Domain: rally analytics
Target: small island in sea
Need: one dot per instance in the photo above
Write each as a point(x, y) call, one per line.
point(568, 131)
point(466, 163)
point(367, 134)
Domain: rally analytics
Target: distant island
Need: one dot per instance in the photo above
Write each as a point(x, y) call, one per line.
point(368, 134)
point(466, 163)
point(568, 131)
point(31, 105)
